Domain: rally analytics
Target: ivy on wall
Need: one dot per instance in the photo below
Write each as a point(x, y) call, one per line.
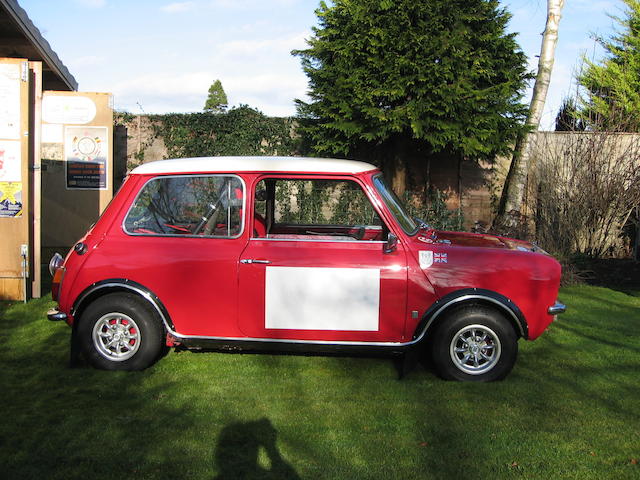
point(240, 131)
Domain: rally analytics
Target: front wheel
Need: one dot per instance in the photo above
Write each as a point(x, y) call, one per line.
point(120, 332)
point(474, 344)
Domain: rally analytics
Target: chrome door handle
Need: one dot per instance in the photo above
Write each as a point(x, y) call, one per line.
point(250, 260)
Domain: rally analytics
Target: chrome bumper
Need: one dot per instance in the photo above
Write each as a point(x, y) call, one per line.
point(556, 309)
point(55, 316)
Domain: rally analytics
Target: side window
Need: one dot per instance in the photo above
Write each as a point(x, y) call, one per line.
point(315, 210)
point(208, 205)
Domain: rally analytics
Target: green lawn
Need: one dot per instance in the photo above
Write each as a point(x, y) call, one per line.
point(569, 409)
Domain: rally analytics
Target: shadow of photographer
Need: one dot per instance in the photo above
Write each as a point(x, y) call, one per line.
point(237, 454)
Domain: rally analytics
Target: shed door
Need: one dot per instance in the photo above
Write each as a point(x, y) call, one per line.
point(14, 178)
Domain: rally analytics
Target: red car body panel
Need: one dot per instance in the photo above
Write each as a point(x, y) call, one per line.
point(208, 292)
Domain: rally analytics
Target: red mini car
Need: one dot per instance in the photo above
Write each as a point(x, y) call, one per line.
point(294, 254)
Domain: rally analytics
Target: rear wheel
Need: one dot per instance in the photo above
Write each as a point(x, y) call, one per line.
point(120, 332)
point(475, 344)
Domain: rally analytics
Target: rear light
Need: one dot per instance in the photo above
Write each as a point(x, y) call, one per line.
point(55, 263)
point(58, 275)
point(56, 270)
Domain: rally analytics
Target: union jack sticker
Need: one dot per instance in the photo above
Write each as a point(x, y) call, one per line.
point(440, 258)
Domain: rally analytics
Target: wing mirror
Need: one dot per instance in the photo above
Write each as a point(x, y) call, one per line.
point(392, 243)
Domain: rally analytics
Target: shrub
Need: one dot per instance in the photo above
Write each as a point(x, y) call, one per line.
point(585, 187)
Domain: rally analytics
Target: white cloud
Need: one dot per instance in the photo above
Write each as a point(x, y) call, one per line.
point(271, 85)
point(162, 92)
point(178, 7)
point(163, 84)
point(272, 46)
point(92, 3)
point(252, 28)
point(255, 70)
point(251, 4)
point(86, 61)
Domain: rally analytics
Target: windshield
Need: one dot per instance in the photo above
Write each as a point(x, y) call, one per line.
point(393, 203)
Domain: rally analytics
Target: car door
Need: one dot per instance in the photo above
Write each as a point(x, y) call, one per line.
point(319, 272)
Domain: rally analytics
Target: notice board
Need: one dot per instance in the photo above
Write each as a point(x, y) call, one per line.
point(77, 165)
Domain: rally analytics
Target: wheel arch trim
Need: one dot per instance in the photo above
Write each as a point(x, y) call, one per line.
point(118, 285)
point(471, 296)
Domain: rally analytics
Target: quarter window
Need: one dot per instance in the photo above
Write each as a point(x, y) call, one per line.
point(395, 205)
point(210, 205)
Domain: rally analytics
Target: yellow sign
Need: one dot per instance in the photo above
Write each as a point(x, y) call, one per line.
point(10, 199)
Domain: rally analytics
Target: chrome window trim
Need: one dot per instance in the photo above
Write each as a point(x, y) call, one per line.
point(373, 179)
point(368, 242)
point(329, 225)
point(334, 177)
point(161, 235)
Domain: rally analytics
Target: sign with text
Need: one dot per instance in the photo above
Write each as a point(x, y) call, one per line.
point(10, 179)
point(11, 199)
point(67, 109)
point(10, 101)
point(86, 153)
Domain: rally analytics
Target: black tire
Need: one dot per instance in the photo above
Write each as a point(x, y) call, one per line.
point(120, 332)
point(474, 344)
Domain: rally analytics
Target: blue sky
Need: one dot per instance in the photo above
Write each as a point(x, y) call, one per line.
point(161, 56)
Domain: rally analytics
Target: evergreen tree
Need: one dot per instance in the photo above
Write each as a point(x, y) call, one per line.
point(402, 80)
point(612, 86)
point(568, 117)
point(217, 99)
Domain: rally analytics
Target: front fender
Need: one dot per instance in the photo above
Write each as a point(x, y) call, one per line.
point(472, 296)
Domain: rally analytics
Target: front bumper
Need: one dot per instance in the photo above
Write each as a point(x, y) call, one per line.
point(557, 309)
point(55, 315)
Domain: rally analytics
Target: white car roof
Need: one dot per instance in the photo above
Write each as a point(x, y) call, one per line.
point(253, 164)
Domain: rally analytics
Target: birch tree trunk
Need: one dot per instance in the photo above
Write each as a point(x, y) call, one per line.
point(515, 183)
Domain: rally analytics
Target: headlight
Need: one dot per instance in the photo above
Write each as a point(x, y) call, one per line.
point(536, 248)
point(55, 263)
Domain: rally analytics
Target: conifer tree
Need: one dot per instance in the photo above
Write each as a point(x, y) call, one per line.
point(612, 86)
point(403, 80)
point(217, 99)
point(568, 117)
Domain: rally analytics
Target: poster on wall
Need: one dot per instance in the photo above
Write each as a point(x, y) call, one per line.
point(10, 100)
point(86, 158)
point(10, 179)
point(67, 109)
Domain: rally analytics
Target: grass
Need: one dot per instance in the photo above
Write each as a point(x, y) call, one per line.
point(568, 410)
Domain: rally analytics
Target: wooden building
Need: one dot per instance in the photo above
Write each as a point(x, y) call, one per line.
point(55, 154)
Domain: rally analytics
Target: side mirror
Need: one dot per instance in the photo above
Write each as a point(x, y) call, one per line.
point(392, 243)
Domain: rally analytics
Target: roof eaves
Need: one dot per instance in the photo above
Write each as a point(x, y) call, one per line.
point(50, 57)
